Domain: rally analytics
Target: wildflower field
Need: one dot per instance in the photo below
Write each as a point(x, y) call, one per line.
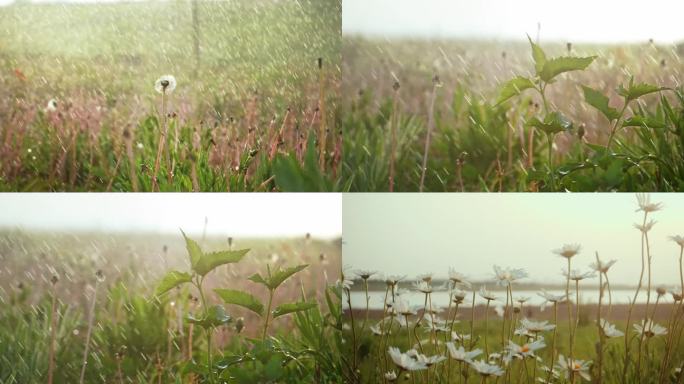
point(445, 328)
point(461, 115)
point(136, 308)
point(249, 108)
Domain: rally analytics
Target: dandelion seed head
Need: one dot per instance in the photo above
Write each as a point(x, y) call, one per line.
point(165, 84)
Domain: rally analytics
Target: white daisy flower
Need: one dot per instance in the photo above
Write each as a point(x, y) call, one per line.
point(536, 326)
point(485, 369)
point(650, 329)
point(165, 84)
point(645, 204)
point(506, 276)
point(405, 360)
point(580, 367)
point(577, 275)
point(391, 376)
point(568, 250)
point(609, 329)
point(644, 228)
point(549, 298)
point(485, 294)
point(458, 279)
point(602, 267)
point(364, 274)
point(525, 350)
point(460, 354)
point(678, 239)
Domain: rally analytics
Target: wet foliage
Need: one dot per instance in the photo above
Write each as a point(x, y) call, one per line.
point(511, 117)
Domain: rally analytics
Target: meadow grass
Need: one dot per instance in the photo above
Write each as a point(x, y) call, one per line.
point(141, 334)
point(242, 119)
point(480, 141)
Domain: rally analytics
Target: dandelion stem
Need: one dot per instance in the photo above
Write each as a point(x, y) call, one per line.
point(91, 316)
point(53, 336)
point(160, 148)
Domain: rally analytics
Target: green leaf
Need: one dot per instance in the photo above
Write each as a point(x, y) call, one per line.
point(258, 279)
point(513, 88)
point(194, 250)
point(284, 309)
point(538, 55)
point(597, 100)
point(635, 91)
point(280, 275)
point(172, 280)
point(553, 123)
point(209, 261)
point(558, 65)
point(643, 121)
point(216, 316)
point(242, 299)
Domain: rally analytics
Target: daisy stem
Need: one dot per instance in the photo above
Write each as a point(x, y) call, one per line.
point(472, 322)
point(577, 305)
point(351, 317)
point(365, 289)
point(486, 329)
point(420, 319)
point(631, 307)
point(567, 297)
point(553, 342)
point(648, 299)
point(598, 324)
point(503, 322)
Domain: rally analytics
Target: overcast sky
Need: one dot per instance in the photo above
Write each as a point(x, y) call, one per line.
point(575, 21)
point(410, 234)
point(228, 214)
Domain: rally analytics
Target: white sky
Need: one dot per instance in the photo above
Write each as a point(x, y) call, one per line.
point(410, 234)
point(229, 214)
point(575, 21)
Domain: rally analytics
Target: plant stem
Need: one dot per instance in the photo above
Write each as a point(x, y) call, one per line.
point(631, 307)
point(486, 330)
point(613, 130)
point(53, 336)
point(351, 316)
point(160, 148)
point(598, 324)
point(393, 139)
point(268, 313)
point(91, 315)
point(567, 297)
point(431, 124)
point(553, 342)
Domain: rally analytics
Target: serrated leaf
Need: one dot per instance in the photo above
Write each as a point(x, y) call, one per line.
point(242, 299)
point(172, 280)
point(553, 123)
point(209, 261)
point(194, 250)
point(513, 88)
point(643, 121)
point(635, 91)
point(216, 316)
point(284, 309)
point(258, 279)
point(538, 55)
point(599, 101)
point(280, 275)
point(558, 65)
